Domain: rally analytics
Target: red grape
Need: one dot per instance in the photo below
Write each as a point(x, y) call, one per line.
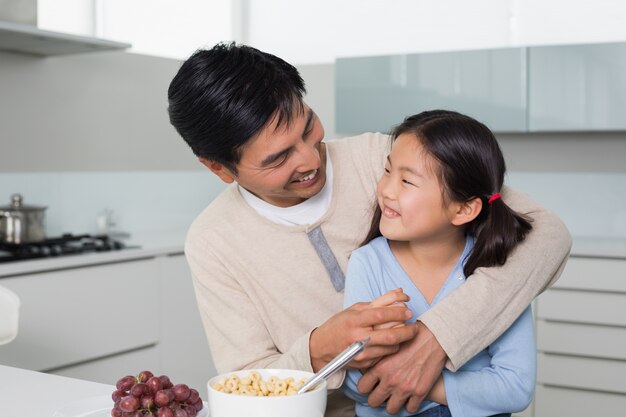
point(193, 397)
point(163, 397)
point(144, 376)
point(165, 412)
point(118, 394)
point(154, 384)
point(181, 392)
point(154, 396)
point(165, 381)
point(179, 412)
point(129, 404)
point(140, 389)
point(125, 383)
point(147, 401)
point(198, 404)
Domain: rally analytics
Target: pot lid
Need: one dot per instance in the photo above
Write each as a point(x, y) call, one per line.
point(17, 204)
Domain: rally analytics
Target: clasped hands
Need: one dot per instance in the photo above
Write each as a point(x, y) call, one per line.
point(401, 362)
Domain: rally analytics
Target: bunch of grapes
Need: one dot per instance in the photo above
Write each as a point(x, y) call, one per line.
point(148, 395)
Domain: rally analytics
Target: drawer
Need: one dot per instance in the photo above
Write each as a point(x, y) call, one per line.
point(593, 274)
point(70, 316)
point(582, 307)
point(108, 370)
point(561, 402)
point(578, 372)
point(582, 339)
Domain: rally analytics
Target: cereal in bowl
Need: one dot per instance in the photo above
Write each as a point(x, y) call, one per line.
point(255, 386)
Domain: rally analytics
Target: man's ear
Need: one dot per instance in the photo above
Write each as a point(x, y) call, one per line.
point(467, 211)
point(219, 170)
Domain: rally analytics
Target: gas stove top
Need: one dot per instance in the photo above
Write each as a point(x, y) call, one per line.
point(66, 244)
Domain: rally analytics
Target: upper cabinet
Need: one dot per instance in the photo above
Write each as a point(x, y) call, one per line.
point(374, 93)
point(577, 87)
point(28, 39)
point(552, 88)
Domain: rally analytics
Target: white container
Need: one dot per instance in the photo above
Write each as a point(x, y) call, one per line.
point(9, 309)
point(309, 404)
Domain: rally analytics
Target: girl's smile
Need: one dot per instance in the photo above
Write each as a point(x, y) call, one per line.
point(390, 213)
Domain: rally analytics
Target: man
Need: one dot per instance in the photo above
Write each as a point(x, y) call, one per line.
point(268, 254)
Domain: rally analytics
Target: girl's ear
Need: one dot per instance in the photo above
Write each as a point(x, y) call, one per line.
point(219, 170)
point(467, 211)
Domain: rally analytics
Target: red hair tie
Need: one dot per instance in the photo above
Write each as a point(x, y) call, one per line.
point(494, 198)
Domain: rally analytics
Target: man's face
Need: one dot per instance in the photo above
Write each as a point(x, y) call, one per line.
point(286, 165)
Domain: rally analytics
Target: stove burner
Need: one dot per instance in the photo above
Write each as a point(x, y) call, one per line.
point(67, 244)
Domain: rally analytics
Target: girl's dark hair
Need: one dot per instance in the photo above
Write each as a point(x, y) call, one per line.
point(222, 97)
point(470, 165)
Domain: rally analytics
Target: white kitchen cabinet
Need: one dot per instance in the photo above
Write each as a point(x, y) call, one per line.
point(110, 369)
point(75, 315)
point(553, 401)
point(596, 307)
point(107, 320)
point(577, 87)
point(556, 88)
point(28, 39)
point(184, 350)
point(376, 93)
point(581, 340)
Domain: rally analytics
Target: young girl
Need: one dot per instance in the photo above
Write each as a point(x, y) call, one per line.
point(441, 216)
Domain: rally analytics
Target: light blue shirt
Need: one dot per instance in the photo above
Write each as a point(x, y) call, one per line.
point(499, 379)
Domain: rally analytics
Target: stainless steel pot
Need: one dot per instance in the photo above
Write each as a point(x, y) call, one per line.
point(20, 223)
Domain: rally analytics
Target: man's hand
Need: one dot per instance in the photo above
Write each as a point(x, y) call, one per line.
point(359, 322)
point(407, 375)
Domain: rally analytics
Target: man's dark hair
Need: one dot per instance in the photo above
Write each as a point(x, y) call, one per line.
point(222, 97)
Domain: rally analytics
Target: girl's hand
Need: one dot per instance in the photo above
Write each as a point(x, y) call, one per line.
point(358, 322)
point(391, 298)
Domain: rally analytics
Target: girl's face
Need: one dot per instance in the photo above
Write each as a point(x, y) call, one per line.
point(410, 195)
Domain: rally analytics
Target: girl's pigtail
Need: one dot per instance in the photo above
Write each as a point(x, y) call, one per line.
point(496, 236)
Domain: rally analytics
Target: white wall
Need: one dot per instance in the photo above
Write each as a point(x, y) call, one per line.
point(88, 132)
point(68, 16)
point(88, 112)
point(154, 27)
point(309, 33)
point(305, 32)
point(166, 28)
point(139, 201)
point(81, 133)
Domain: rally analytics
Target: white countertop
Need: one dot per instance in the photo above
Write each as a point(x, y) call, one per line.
point(27, 393)
point(147, 245)
point(144, 245)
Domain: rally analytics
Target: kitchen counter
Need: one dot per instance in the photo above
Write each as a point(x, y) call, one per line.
point(34, 394)
point(140, 246)
point(162, 243)
point(65, 298)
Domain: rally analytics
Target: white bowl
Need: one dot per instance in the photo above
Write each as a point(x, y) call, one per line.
point(309, 404)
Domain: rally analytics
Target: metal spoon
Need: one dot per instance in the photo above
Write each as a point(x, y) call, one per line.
point(334, 365)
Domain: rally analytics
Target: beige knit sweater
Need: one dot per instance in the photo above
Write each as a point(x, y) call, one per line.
point(261, 288)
